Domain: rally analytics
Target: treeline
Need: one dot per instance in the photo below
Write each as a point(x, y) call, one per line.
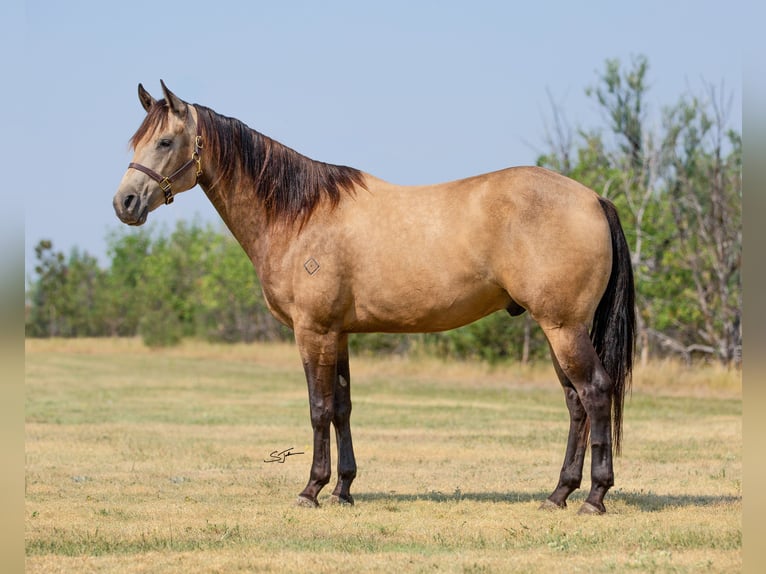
point(195, 281)
point(676, 183)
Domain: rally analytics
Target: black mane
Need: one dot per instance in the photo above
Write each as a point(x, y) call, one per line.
point(289, 185)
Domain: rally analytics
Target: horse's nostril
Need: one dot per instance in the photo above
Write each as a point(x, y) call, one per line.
point(128, 201)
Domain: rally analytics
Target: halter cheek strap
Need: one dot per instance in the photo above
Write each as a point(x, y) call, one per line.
point(166, 182)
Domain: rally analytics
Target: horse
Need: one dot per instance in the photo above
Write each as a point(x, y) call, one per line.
point(339, 251)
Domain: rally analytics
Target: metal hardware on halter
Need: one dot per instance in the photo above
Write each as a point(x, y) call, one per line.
point(195, 156)
point(165, 186)
point(166, 182)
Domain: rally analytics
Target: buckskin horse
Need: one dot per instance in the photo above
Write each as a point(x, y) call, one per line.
point(340, 251)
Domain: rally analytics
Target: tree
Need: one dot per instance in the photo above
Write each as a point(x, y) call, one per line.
point(230, 300)
point(704, 195)
point(170, 274)
point(45, 315)
point(66, 298)
point(621, 95)
point(81, 296)
point(121, 295)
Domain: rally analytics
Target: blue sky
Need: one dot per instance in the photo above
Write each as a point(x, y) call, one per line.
point(413, 92)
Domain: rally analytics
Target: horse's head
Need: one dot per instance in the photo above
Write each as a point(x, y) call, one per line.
point(166, 161)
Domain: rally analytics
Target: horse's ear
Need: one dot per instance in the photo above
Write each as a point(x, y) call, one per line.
point(147, 101)
point(176, 104)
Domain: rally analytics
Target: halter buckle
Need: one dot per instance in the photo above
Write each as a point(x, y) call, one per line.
point(165, 186)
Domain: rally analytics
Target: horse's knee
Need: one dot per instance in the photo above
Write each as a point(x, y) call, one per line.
point(321, 417)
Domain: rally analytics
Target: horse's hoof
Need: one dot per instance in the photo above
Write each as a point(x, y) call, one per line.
point(548, 504)
point(588, 508)
point(335, 499)
point(304, 502)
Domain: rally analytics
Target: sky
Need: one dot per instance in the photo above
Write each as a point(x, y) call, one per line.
point(411, 91)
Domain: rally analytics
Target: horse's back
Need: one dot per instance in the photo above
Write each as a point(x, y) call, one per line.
point(450, 253)
point(428, 258)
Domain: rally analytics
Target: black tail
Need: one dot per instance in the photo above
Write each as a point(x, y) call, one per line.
point(613, 331)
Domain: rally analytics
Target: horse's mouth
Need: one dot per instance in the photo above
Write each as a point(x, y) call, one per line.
point(141, 219)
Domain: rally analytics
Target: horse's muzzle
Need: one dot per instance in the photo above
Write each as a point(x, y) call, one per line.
point(130, 209)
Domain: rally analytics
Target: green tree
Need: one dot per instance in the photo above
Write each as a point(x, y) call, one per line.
point(80, 296)
point(231, 306)
point(172, 271)
point(702, 308)
point(44, 318)
point(121, 296)
point(66, 296)
point(621, 94)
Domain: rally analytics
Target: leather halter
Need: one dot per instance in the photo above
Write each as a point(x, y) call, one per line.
point(166, 182)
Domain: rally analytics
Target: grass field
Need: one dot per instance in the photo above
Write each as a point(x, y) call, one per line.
point(153, 461)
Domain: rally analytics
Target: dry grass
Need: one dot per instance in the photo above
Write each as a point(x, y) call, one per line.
point(147, 461)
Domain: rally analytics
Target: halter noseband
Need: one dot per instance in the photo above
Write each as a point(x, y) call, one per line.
point(166, 182)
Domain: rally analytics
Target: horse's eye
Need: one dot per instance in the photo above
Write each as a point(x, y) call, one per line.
point(164, 143)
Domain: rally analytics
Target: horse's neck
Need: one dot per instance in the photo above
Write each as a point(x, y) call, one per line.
point(245, 217)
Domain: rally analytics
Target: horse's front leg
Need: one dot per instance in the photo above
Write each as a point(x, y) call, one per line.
point(341, 422)
point(319, 352)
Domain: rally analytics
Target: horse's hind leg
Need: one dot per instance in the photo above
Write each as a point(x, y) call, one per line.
point(579, 363)
point(341, 422)
point(579, 428)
